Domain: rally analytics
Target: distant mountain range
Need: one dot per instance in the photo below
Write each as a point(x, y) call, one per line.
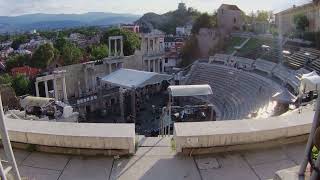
point(56, 21)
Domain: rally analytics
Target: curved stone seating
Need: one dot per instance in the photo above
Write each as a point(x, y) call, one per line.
point(235, 92)
point(264, 66)
point(221, 136)
point(315, 65)
point(78, 138)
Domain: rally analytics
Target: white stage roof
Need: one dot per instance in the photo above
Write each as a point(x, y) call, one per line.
point(190, 90)
point(310, 82)
point(129, 78)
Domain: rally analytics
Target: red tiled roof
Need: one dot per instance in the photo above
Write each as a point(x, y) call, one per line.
point(26, 70)
point(230, 7)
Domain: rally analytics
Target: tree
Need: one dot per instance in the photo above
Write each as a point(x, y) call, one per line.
point(43, 56)
point(99, 52)
point(131, 40)
point(70, 54)
point(17, 61)
point(21, 84)
point(190, 51)
point(301, 21)
point(59, 43)
point(203, 21)
point(5, 79)
point(262, 16)
point(18, 41)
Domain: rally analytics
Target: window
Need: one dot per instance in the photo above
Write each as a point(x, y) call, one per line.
point(166, 60)
point(235, 20)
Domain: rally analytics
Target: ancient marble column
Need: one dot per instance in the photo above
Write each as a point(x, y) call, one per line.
point(46, 88)
point(64, 88)
point(37, 89)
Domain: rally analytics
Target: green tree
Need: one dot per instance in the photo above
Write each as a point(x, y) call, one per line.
point(190, 51)
point(262, 16)
point(70, 54)
point(301, 21)
point(6, 79)
point(17, 61)
point(59, 43)
point(43, 56)
point(99, 52)
point(131, 40)
point(18, 40)
point(21, 84)
point(203, 21)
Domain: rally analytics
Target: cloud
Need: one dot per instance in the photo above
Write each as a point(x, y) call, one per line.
point(18, 7)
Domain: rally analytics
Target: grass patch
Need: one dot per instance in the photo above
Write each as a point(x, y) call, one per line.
point(31, 147)
point(173, 145)
point(235, 41)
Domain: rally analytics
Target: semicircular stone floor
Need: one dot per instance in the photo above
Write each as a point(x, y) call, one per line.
point(155, 160)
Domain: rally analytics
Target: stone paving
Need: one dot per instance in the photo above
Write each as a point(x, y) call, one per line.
point(155, 160)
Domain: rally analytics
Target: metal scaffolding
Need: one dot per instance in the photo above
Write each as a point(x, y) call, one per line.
point(10, 160)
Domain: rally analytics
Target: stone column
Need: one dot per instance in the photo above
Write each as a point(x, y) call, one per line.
point(148, 49)
point(86, 79)
point(110, 68)
point(154, 65)
point(159, 68)
point(64, 87)
point(116, 47)
point(109, 48)
point(121, 42)
point(133, 104)
point(163, 61)
point(56, 96)
point(46, 88)
point(37, 89)
point(121, 102)
point(149, 67)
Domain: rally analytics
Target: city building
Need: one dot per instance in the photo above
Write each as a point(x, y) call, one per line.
point(131, 27)
point(285, 19)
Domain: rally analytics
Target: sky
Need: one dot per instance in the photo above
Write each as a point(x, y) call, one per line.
point(139, 7)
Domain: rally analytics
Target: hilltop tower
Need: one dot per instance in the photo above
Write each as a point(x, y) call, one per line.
point(182, 6)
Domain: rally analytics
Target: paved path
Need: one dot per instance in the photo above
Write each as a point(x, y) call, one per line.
point(155, 160)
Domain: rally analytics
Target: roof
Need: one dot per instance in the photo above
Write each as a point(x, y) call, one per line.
point(129, 78)
point(294, 8)
point(190, 90)
point(29, 71)
point(230, 7)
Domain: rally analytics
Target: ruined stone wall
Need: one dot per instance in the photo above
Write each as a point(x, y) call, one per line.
point(134, 62)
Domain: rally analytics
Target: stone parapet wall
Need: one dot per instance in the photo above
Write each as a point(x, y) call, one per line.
point(79, 136)
point(225, 134)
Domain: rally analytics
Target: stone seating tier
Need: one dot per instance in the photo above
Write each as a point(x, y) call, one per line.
point(235, 92)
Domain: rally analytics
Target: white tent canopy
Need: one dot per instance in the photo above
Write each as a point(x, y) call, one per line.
point(129, 78)
point(310, 82)
point(190, 90)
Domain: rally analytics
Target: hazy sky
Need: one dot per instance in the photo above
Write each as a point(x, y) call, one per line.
point(18, 7)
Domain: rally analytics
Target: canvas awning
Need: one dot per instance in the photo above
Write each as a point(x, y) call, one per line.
point(190, 90)
point(31, 101)
point(129, 78)
point(310, 82)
